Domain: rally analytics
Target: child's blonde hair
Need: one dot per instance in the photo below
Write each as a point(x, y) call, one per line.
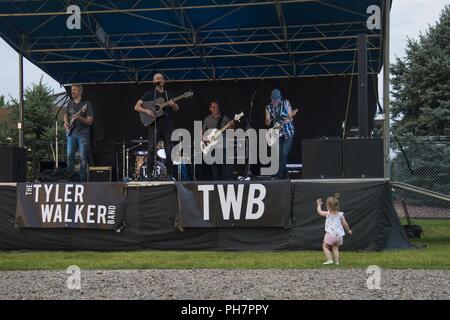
point(333, 202)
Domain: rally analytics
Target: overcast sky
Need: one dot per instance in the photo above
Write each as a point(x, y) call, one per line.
point(409, 18)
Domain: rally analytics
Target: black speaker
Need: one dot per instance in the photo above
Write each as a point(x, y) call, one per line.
point(49, 165)
point(322, 159)
point(13, 164)
point(57, 175)
point(363, 158)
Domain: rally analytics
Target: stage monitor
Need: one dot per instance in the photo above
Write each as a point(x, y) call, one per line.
point(322, 159)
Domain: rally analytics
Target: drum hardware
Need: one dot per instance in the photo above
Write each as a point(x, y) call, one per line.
point(140, 140)
point(126, 159)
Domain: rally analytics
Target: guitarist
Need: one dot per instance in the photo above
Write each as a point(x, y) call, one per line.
point(280, 110)
point(164, 125)
point(220, 172)
point(79, 134)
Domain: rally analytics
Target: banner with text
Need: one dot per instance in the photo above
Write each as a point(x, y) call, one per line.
point(70, 205)
point(235, 204)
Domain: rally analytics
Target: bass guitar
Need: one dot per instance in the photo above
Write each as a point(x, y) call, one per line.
point(210, 140)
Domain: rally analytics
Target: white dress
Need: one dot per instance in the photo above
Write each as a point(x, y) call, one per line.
point(333, 224)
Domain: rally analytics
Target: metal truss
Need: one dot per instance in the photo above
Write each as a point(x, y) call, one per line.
point(206, 52)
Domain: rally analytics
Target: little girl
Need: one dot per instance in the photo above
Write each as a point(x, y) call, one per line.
point(334, 228)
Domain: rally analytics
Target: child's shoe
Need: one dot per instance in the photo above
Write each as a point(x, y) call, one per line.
point(328, 262)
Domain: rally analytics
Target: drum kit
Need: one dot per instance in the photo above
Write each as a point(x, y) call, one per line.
point(141, 171)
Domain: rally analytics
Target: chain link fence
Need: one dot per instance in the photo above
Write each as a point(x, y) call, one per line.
point(422, 162)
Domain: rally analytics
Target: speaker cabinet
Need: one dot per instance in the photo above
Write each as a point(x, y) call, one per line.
point(13, 164)
point(363, 158)
point(322, 159)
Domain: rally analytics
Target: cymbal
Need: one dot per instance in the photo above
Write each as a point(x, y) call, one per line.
point(139, 141)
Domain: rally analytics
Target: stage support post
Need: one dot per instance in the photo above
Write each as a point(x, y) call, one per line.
point(363, 121)
point(20, 121)
point(386, 84)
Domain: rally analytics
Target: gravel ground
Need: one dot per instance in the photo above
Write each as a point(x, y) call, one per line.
point(202, 284)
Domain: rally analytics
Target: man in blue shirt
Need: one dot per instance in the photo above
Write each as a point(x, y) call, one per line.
point(77, 122)
point(280, 111)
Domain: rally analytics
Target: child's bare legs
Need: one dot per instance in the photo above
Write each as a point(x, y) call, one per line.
point(326, 250)
point(336, 254)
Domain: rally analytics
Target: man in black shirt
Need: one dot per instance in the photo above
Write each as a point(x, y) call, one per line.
point(164, 124)
point(77, 122)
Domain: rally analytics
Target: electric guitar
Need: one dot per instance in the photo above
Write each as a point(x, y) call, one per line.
point(210, 140)
point(73, 118)
point(274, 133)
point(157, 107)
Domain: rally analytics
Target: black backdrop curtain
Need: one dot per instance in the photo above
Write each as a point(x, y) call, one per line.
point(321, 101)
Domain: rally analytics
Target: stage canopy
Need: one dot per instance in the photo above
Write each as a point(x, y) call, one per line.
point(126, 41)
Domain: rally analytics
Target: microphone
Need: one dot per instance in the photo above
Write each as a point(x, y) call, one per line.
point(253, 97)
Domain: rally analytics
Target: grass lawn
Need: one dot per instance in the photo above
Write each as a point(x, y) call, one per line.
point(434, 253)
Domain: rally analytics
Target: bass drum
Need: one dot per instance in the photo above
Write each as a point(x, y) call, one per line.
point(139, 162)
point(160, 171)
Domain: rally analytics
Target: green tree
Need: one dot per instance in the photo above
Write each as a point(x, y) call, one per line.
point(39, 126)
point(421, 83)
point(421, 107)
point(2, 101)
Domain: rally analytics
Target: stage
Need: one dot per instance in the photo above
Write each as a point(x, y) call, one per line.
point(151, 218)
point(180, 216)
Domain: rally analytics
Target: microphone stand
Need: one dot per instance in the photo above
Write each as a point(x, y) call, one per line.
point(56, 158)
point(344, 124)
point(343, 130)
point(155, 140)
point(248, 171)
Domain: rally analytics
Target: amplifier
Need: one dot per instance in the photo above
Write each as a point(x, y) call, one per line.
point(99, 174)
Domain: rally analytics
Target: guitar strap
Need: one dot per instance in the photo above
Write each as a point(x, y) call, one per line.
point(167, 99)
point(219, 123)
point(281, 109)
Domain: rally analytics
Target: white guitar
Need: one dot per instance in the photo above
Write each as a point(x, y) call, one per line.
point(210, 140)
point(274, 133)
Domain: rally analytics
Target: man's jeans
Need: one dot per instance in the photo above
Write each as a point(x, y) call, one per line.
point(80, 142)
point(285, 150)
